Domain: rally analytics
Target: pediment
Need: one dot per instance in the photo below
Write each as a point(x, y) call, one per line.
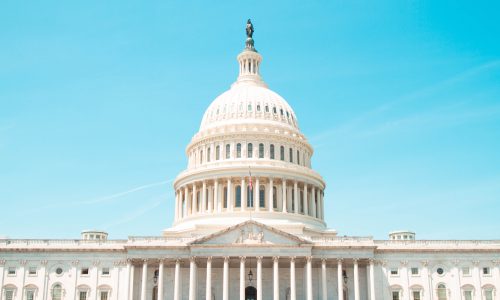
point(250, 233)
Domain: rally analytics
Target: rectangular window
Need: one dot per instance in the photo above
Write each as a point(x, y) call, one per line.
point(30, 295)
point(83, 295)
point(468, 295)
point(291, 155)
point(9, 295)
point(416, 295)
point(84, 271)
point(32, 271)
point(486, 271)
point(414, 271)
point(11, 271)
point(466, 271)
point(228, 151)
point(104, 295)
point(105, 271)
point(394, 272)
point(395, 295)
point(225, 197)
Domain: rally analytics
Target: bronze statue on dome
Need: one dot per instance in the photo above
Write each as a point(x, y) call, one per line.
point(249, 29)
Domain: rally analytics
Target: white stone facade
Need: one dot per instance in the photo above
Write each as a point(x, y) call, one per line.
point(249, 203)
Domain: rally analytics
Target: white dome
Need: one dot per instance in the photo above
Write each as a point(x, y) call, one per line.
point(247, 103)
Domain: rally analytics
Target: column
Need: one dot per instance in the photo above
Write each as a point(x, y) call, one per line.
point(356, 280)
point(177, 279)
point(283, 193)
point(323, 279)
point(243, 194)
point(293, 291)
point(259, 277)
point(230, 203)
point(242, 277)
point(211, 203)
point(320, 204)
point(204, 197)
point(256, 195)
point(216, 196)
point(296, 197)
point(144, 279)
point(194, 205)
point(372, 279)
point(188, 202)
point(225, 283)
point(309, 278)
point(131, 282)
point(313, 202)
point(276, 284)
point(306, 203)
point(209, 279)
point(270, 199)
point(160, 279)
point(176, 213)
point(192, 278)
point(340, 279)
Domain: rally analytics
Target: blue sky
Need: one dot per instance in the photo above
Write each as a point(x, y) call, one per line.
point(401, 100)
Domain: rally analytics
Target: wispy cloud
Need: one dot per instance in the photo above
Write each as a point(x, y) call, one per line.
point(136, 213)
point(121, 194)
point(319, 139)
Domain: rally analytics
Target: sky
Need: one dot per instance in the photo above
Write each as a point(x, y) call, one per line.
point(400, 100)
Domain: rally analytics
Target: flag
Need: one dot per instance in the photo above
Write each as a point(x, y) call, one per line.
point(250, 180)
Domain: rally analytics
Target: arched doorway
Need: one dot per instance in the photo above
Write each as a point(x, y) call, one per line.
point(250, 293)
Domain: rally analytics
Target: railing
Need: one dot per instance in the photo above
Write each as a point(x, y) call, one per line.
point(437, 242)
point(47, 242)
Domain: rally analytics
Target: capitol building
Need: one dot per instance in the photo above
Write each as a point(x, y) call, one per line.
point(249, 223)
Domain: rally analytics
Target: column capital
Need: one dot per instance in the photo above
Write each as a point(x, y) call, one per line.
point(75, 262)
point(259, 258)
point(309, 259)
point(475, 263)
point(292, 258)
point(144, 261)
point(192, 259)
point(243, 258)
point(209, 259)
point(226, 258)
point(404, 262)
point(323, 260)
point(355, 260)
point(425, 263)
point(340, 260)
point(162, 260)
point(371, 261)
point(276, 258)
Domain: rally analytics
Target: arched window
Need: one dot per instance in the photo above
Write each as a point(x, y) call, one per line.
point(225, 197)
point(488, 291)
point(274, 110)
point(267, 108)
point(282, 153)
point(261, 150)
point(249, 150)
point(30, 291)
point(258, 107)
point(291, 155)
point(238, 196)
point(57, 292)
point(262, 196)
point(249, 196)
point(228, 151)
point(217, 153)
point(293, 200)
point(301, 201)
point(208, 154)
point(9, 291)
point(275, 197)
point(441, 292)
point(298, 157)
point(238, 150)
point(271, 151)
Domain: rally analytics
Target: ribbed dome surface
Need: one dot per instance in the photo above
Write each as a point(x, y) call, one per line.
point(249, 104)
